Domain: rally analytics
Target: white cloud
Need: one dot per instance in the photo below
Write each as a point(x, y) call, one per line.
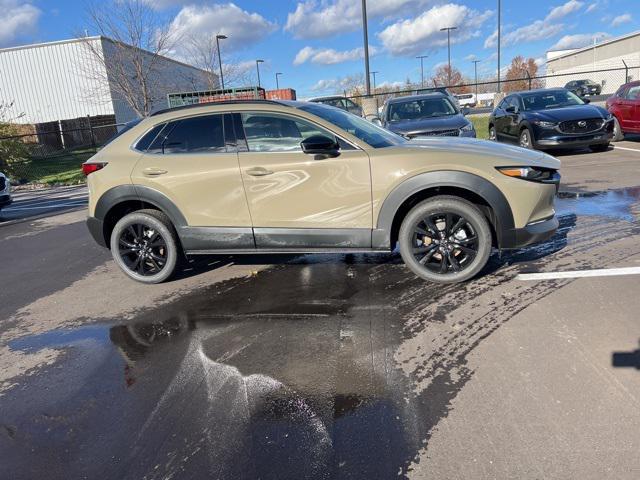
point(621, 19)
point(471, 57)
point(243, 28)
point(323, 18)
point(412, 36)
point(578, 41)
point(563, 10)
point(16, 18)
point(329, 56)
point(161, 4)
point(332, 84)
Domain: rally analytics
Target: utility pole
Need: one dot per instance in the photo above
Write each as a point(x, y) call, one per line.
point(475, 68)
point(448, 30)
point(374, 80)
point(499, 42)
point(218, 38)
point(422, 57)
point(258, 62)
point(366, 47)
point(277, 83)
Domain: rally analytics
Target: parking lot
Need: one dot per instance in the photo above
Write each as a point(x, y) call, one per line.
point(335, 366)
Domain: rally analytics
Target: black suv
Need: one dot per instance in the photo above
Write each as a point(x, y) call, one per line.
point(582, 88)
point(551, 119)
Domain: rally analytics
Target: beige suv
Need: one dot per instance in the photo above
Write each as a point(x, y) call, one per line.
point(283, 177)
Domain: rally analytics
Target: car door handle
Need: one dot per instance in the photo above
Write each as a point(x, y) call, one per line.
point(153, 172)
point(258, 172)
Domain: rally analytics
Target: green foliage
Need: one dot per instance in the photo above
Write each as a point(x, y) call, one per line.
point(14, 153)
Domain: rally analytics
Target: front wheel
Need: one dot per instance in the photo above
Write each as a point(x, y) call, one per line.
point(618, 135)
point(526, 139)
point(145, 246)
point(445, 240)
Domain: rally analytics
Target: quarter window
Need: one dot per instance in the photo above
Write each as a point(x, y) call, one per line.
point(203, 134)
point(145, 142)
point(267, 132)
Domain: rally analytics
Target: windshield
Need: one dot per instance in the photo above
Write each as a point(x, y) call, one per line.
point(420, 109)
point(366, 131)
point(552, 99)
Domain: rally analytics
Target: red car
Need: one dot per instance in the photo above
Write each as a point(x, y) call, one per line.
point(624, 105)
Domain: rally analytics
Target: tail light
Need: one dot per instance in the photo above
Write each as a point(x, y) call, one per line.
point(88, 168)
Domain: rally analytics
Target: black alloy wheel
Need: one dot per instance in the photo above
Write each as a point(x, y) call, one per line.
point(142, 249)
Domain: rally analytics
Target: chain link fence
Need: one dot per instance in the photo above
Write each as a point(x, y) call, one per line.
point(480, 98)
point(55, 151)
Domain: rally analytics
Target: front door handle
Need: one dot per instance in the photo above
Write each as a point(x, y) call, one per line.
point(153, 172)
point(258, 172)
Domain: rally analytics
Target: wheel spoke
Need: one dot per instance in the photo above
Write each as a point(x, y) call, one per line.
point(428, 256)
point(448, 219)
point(155, 265)
point(421, 231)
point(453, 261)
point(432, 226)
point(140, 268)
point(423, 249)
point(468, 250)
point(126, 251)
point(132, 232)
point(124, 243)
point(467, 241)
point(443, 263)
point(157, 258)
point(158, 243)
point(461, 221)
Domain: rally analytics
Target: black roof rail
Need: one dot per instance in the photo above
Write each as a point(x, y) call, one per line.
point(223, 102)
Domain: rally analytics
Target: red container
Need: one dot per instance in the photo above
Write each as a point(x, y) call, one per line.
point(282, 94)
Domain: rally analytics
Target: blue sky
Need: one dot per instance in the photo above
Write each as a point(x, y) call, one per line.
point(315, 43)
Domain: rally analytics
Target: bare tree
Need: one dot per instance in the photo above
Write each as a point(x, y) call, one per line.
point(132, 61)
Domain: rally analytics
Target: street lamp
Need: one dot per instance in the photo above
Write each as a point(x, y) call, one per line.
point(218, 38)
point(277, 83)
point(475, 67)
point(366, 47)
point(374, 80)
point(258, 62)
point(448, 30)
point(422, 57)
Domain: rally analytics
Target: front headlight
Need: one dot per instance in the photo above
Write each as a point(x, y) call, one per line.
point(533, 174)
point(467, 128)
point(544, 124)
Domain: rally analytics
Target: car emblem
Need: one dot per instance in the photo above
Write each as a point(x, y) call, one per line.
point(582, 124)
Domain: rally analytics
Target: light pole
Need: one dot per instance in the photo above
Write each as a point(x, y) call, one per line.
point(374, 80)
point(448, 30)
point(422, 57)
point(218, 38)
point(258, 62)
point(499, 33)
point(277, 83)
point(475, 68)
point(366, 48)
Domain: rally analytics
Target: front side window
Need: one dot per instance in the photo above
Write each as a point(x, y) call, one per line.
point(203, 134)
point(633, 93)
point(270, 132)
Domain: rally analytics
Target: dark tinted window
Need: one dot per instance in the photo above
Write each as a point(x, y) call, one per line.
point(191, 135)
point(144, 143)
point(267, 132)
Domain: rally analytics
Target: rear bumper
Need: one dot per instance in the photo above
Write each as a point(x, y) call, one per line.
point(530, 234)
point(96, 229)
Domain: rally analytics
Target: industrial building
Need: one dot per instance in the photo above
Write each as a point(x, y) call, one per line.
point(66, 80)
point(610, 63)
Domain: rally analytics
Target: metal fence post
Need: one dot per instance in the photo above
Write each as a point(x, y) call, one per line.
point(529, 78)
point(626, 71)
point(93, 138)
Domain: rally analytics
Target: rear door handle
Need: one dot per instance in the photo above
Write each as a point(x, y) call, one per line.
point(153, 172)
point(258, 172)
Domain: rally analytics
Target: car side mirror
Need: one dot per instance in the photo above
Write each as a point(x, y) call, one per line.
point(511, 109)
point(586, 100)
point(376, 121)
point(320, 145)
point(465, 111)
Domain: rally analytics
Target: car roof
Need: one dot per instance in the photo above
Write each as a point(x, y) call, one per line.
point(537, 90)
point(329, 97)
point(411, 98)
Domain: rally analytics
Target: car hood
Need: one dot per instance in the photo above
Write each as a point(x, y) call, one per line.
point(578, 112)
point(510, 154)
point(427, 124)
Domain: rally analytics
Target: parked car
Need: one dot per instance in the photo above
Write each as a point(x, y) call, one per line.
point(5, 191)
point(428, 115)
point(204, 179)
point(551, 119)
point(466, 100)
point(624, 105)
point(339, 102)
point(582, 88)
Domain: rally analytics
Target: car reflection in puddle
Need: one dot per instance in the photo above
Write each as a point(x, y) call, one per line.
point(617, 204)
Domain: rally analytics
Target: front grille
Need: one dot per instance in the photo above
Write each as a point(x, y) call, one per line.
point(3, 183)
point(440, 133)
point(581, 126)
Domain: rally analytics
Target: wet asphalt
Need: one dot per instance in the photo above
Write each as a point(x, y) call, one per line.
point(294, 372)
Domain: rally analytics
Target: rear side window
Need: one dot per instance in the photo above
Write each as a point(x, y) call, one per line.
point(204, 134)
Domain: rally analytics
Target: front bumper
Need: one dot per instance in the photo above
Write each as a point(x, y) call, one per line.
point(96, 229)
point(552, 138)
point(5, 200)
point(530, 234)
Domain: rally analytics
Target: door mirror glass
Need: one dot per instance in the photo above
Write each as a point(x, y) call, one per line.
point(376, 121)
point(320, 145)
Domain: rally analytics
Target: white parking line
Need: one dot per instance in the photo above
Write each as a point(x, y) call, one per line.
point(605, 272)
point(615, 147)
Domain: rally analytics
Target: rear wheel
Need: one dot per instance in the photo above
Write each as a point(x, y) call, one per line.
point(526, 139)
point(445, 240)
point(144, 244)
point(618, 134)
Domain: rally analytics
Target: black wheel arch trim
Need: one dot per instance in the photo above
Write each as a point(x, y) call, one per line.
point(503, 222)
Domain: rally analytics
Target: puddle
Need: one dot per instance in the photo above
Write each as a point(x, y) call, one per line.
point(616, 204)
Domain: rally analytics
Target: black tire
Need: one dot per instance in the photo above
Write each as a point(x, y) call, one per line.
point(145, 246)
point(618, 134)
point(463, 251)
point(603, 147)
point(493, 135)
point(526, 139)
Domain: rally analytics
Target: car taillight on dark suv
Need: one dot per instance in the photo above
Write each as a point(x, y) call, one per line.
point(88, 168)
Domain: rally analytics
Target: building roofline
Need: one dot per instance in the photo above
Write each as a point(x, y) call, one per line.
point(590, 47)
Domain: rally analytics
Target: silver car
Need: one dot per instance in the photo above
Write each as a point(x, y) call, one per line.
point(5, 191)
